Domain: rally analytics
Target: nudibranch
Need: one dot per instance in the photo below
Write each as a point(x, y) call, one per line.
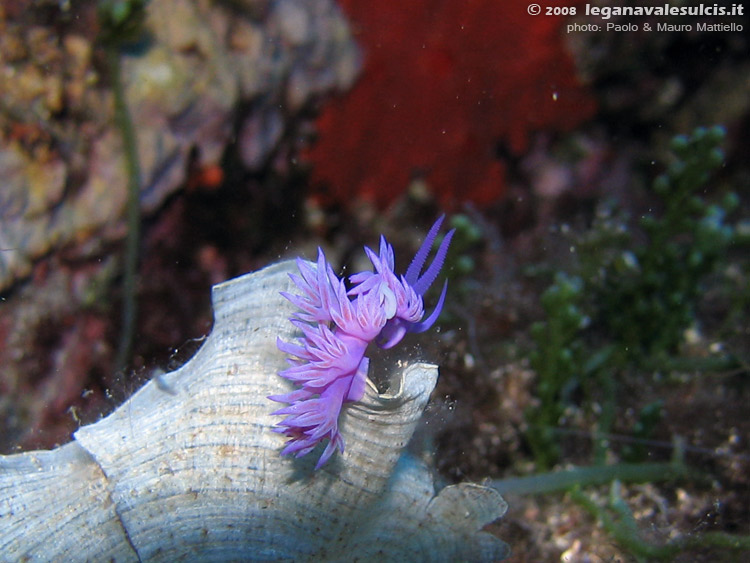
point(337, 325)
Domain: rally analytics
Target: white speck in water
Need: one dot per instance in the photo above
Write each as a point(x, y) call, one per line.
point(555, 95)
point(469, 361)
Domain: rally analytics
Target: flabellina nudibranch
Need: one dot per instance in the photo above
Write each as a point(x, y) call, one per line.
point(337, 325)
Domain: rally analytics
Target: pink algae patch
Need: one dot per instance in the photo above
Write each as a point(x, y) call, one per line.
point(446, 87)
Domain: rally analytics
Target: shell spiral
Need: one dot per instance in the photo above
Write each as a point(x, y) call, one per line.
point(190, 468)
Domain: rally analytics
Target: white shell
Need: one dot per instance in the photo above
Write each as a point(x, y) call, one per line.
point(189, 469)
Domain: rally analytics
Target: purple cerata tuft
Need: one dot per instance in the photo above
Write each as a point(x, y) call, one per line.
point(328, 363)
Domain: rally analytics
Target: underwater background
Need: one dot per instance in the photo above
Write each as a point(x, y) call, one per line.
point(594, 345)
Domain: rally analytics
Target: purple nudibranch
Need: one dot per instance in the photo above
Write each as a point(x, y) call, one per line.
point(329, 363)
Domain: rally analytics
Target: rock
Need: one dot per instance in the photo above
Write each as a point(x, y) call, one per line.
point(61, 158)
